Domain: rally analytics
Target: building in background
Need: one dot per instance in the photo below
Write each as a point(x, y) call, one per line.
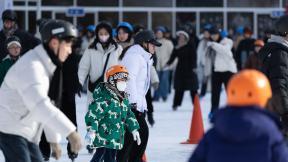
point(227, 14)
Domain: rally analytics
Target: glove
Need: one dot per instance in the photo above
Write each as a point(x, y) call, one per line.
point(75, 142)
point(133, 106)
point(90, 136)
point(155, 85)
point(150, 118)
point(136, 137)
point(56, 150)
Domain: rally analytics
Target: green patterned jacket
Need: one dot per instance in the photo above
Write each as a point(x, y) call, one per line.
point(109, 115)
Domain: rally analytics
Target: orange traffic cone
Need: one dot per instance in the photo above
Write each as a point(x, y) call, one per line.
point(144, 158)
point(196, 129)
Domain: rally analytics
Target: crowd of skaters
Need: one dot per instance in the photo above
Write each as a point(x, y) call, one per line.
point(188, 62)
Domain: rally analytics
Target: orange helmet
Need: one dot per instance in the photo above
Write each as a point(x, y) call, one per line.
point(116, 72)
point(248, 87)
point(259, 42)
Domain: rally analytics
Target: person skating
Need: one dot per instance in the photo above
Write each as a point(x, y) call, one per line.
point(274, 59)
point(163, 55)
point(137, 60)
point(103, 53)
point(185, 74)
point(13, 45)
point(253, 61)
point(220, 63)
point(30, 95)
point(109, 116)
point(243, 130)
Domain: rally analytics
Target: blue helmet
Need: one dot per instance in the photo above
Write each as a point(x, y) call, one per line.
point(160, 28)
point(91, 28)
point(223, 33)
point(126, 25)
point(240, 30)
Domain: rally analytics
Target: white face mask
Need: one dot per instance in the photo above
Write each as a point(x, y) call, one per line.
point(121, 85)
point(104, 38)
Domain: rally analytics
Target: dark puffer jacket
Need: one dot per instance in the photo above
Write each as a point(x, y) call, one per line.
point(246, 134)
point(274, 57)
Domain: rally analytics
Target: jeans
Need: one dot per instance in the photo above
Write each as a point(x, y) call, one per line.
point(110, 155)
point(163, 89)
point(18, 149)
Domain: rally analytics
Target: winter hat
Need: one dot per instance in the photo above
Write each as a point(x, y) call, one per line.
point(184, 33)
point(12, 40)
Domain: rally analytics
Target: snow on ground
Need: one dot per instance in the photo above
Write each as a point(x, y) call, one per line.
point(171, 128)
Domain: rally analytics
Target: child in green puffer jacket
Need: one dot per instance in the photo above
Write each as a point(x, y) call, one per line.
point(13, 46)
point(109, 115)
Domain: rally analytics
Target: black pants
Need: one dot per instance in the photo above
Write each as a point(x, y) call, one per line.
point(104, 152)
point(178, 97)
point(218, 78)
point(18, 149)
point(69, 109)
point(131, 152)
point(149, 101)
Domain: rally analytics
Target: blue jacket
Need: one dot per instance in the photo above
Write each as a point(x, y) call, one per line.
point(246, 134)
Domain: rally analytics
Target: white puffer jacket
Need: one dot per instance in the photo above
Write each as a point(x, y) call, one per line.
point(93, 61)
point(224, 60)
point(25, 107)
point(163, 53)
point(138, 63)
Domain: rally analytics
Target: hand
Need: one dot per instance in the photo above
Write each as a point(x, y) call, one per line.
point(166, 67)
point(56, 150)
point(209, 44)
point(136, 137)
point(151, 120)
point(155, 85)
point(75, 142)
point(90, 136)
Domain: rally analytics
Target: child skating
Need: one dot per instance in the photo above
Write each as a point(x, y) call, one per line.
point(109, 115)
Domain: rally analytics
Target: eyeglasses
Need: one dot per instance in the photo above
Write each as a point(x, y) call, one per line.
point(16, 47)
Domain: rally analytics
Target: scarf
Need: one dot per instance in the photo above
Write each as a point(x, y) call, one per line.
point(56, 84)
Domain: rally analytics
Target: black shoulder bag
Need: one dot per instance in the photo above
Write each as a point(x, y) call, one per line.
point(92, 86)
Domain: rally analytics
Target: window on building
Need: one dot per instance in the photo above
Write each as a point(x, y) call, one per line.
point(63, 16)
point(213, 18)
point(236, 20)
point(265, 22)
point(136, 18)
point(199, 3)
point(88, 19)
point(98, 2)
point(254, 3)
point(32, 22)
point(185, 18)
point(148, 3)
point(21, 19)
point(57, 2)
point(46, 14)
point(110, 17)
point(161, 19)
